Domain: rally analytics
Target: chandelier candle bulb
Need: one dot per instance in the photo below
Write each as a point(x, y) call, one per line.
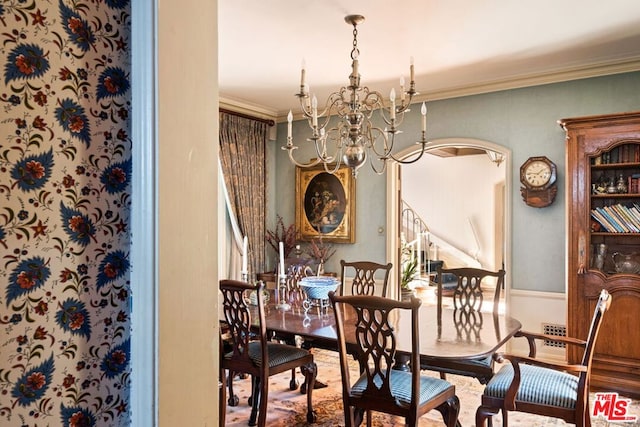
point(302, 76)
point(411, 69)
point(402, 89)
point(289, 123)
point(423, 110)
point(314, 111)
point(392, 97)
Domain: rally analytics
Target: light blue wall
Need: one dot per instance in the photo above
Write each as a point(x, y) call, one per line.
point(524, 120)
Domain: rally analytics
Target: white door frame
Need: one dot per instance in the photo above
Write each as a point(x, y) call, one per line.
point(393, 200)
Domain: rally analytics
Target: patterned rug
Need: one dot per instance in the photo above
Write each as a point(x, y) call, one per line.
point(287, 408)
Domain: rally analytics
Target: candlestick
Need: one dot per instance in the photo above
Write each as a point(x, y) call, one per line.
point(423, 110)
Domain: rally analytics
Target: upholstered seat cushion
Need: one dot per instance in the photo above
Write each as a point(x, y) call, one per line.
point(400, 382)
point(278, 353)
point(538, 385)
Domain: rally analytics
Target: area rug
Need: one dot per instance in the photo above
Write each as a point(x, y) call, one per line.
point(288, 408)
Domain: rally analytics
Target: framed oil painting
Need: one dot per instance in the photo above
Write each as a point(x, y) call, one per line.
point(325, 204)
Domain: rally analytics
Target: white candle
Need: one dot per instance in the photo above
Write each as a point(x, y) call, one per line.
point(402, 89)
point(411, 69)
point(314, 111)
point(244, 255)
point(302, 75)
point(281, 248)
point(289, 121)
point(423, 110)
point(392, 97)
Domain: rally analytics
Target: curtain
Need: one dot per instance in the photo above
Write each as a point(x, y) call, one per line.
point(242, 158)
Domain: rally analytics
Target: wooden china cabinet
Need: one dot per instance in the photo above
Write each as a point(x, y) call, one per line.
point(603, 243)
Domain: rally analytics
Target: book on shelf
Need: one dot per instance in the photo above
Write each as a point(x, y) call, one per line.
point(604, 222)
point(618, 218)
point(618, 222)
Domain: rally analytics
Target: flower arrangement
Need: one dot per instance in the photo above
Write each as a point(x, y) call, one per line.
point(320, 250)
point(286, 235)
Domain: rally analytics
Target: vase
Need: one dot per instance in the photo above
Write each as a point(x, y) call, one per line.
point(406, 294)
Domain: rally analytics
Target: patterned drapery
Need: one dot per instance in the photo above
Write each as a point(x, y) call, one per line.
point(242, 156)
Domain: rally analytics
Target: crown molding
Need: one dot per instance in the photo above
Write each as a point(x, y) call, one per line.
point(257, 111)
point(538, 79)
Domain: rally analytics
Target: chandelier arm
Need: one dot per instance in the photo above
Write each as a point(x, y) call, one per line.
point(295, 162)
point(387, 143)
point(415, 159)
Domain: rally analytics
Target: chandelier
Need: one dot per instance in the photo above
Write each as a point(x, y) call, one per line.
point(343, 132)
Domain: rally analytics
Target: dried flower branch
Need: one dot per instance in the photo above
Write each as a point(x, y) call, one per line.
point(320, 250)
point(286, 235)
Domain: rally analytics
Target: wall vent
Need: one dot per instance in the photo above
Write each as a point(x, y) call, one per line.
point(557, 330)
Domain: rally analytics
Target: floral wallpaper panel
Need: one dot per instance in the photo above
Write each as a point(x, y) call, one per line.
point(65, 199)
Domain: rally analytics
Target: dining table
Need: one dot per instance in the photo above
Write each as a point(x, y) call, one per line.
point(445, 334)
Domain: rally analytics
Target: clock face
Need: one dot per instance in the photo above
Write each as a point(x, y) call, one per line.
point(537, 173)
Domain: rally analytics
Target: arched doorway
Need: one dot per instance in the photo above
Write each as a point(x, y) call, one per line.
point(491, 237)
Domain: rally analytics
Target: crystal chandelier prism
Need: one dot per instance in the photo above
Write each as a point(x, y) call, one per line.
point(343, 132)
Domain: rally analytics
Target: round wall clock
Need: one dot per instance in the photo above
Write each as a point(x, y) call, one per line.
point(538, 177)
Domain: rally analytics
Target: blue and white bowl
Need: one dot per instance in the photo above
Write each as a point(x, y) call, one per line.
point(318, 287)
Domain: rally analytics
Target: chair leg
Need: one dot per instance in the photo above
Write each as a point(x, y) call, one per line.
point(222, 401)
point(310, 371)
point(293, 384)
point(450, 411)
point(232, 399)
point(264, 397)
point(255, 397)
point(485, 413)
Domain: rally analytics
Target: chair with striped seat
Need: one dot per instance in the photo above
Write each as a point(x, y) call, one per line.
point(252, 353)
point(379, 387)
point(527, 384)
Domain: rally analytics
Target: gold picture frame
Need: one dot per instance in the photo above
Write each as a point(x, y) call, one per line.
point(325, 204)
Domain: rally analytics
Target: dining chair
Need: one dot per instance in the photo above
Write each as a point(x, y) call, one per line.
point(468, 300)
point(548, 388)
point(364, 281)
point(252, 353)
point(379, 387)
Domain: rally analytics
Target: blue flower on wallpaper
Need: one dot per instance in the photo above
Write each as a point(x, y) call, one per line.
point(34, 383)
point(116, 177)
point(77, 29)
point(78, 226)
point(115, 362)
point(33, 172)
point(73, 317)
point(117, 4)
point(112, 82)
point(72, 118)
point(29, 275)
point(75, 416)
point(113, 266)
point(25, 61)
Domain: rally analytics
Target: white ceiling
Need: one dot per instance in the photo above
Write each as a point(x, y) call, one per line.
point(459, 46)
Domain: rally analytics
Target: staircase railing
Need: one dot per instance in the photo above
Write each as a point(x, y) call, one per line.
point(417, 235)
